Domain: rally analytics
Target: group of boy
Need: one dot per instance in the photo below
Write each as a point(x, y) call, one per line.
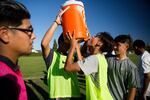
point(107, 77)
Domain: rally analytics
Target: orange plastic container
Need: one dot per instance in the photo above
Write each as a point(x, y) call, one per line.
point(73, 20)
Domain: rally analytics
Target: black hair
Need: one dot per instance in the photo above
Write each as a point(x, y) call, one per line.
point(60, 39)
point(124, 39)
point(107, 40)
point(12, 13)
point(139, 43)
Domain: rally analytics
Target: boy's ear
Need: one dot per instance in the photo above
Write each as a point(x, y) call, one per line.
point(4, 35)
point(127, 46)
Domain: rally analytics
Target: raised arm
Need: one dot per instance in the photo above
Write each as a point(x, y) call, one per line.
point(78, 51)
point(47, 38)
point(49, 34)
point(70, 66)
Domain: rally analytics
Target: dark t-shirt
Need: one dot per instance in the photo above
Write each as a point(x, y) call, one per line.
point(122, 75)
point(49, 59)
point(8, 90)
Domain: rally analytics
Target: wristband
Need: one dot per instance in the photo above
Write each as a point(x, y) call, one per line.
point(56, 22)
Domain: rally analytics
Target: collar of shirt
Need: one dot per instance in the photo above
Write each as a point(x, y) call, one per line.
point(9, 63)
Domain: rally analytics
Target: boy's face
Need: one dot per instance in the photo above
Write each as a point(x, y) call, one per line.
point(64, 46)
point(137, 50)
point(93, 41)
point(120, 48)
point(21, 38)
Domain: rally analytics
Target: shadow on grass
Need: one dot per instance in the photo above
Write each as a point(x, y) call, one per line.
point(31, 95)
point(39, 89)
point(44, 79)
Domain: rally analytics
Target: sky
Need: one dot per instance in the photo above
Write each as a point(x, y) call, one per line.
point(113, 16)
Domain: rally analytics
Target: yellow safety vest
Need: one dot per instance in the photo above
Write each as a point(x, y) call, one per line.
point(61, 83)
point(101, 92)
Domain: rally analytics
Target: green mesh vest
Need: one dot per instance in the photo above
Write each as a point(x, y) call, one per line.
point(100, 91)
point(61, 83)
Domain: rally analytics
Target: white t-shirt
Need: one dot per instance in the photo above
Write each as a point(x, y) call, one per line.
point(89, 65)
point(145, 63)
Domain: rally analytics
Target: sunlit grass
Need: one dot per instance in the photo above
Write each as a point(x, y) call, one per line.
point(34, 73)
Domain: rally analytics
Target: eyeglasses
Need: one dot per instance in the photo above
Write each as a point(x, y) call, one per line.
point(27, 31)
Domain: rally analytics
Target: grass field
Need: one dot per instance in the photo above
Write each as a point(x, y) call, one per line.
point(32, 66)
point(34, 73)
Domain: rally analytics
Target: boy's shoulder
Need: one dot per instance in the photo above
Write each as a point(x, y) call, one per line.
point(126, 61)
point(111, 58)
point(129, 63)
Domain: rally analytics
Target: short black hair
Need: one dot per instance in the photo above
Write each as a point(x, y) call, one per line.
point(61, 39)
point(124, 39)
point(12, 13)
point(139, 43)
point(107, 40)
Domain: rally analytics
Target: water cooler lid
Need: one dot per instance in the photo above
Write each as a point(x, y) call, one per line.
point(72, 2)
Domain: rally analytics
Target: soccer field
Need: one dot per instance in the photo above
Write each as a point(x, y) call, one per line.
point(34, 73)
point(32, 66)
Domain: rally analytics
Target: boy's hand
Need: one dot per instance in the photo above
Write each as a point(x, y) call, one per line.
point(58, 17)
point(75, 44)
point(72, 39)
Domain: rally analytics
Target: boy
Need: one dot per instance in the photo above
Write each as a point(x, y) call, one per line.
point(62, 85)
point(16, 39)
point(122, 73)
point(144, 68)
point(94, 67)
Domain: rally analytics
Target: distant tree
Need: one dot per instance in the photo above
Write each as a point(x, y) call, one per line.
point(55, 44)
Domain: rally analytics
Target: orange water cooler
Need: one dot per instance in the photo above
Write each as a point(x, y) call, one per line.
point(73, 20)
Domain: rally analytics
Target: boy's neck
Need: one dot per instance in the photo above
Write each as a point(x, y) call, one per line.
point(61, 51)
point(142, 50)
point(96, 51)
point(122, 56)
point(11, 57)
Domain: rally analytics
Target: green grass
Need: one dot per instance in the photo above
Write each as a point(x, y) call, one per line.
point(134, 58)
point(34, 73)
point(32, 66)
